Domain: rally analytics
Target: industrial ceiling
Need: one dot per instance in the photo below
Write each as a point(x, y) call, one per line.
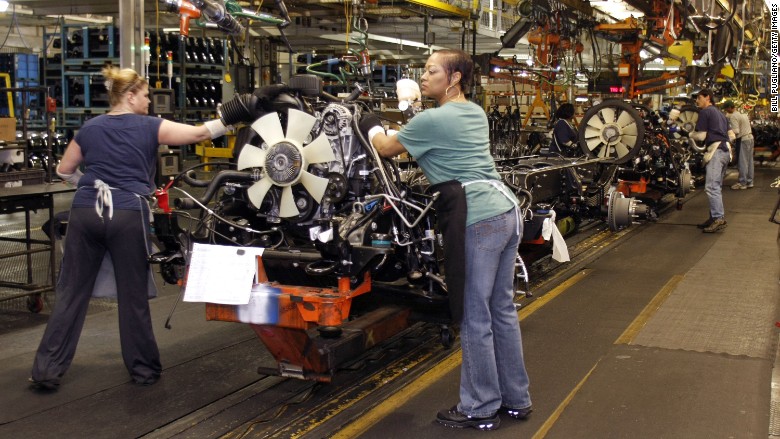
point(408, 29)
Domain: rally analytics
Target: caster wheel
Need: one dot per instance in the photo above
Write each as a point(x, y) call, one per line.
point(447, 336)
point(35, 303)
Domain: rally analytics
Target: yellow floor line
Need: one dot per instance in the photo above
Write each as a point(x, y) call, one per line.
point(369, 419)
point(552, 294)
point(625, 338)
point(548, 424)
point(649, 310)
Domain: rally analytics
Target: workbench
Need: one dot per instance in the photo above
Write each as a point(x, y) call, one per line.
point(26, 199)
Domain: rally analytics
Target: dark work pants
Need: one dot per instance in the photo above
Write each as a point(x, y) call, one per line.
point(88, 238)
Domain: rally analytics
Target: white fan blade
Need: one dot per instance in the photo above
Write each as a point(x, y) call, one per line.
point(595, 122)
point(319, 150)
point(591, 132)
point(269, 128)
point(258, 190)
point(251, 157)
point(287, 207)
point(299, 126)
point(593, 143)
point(608, 114)
point(621, 149)
point(689, 116)
point(315, 185)
point(630, 130)
point(605, 151)
point(625, 119)
point(628, 140)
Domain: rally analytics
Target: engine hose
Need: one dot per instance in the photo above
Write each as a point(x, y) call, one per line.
point(239, 109)
point(375, 155)
point(191, 180)
point(329, 97)
point(527, 197)
point(212, 188)
point(188, 177)
point(391, 164)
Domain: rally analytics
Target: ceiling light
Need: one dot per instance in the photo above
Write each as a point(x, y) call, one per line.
point(382, 38)
point(3, 5)
point(87, 18)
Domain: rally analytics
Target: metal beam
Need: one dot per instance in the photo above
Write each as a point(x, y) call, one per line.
point(442, 7)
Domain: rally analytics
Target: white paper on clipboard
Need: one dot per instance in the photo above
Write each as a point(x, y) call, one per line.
point(221, 274)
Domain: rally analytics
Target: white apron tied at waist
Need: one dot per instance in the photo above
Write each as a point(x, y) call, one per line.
point(104, 199)
point(500, 187)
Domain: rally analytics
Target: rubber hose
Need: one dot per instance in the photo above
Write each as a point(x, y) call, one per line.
point(212, 188)
point(239, 109)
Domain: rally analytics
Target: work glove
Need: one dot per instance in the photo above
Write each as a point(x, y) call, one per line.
point(370, 125)
point(216, 127)
point(698, 136)
point(70, 178)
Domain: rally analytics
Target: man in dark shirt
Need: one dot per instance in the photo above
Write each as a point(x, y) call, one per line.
point(712, 128)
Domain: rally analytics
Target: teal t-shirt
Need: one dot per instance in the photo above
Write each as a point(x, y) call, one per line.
point(452, 142)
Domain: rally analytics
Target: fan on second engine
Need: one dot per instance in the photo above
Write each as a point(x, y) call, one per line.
point(286, 161)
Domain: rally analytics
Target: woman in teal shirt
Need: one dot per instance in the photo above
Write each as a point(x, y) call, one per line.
point(451, 143)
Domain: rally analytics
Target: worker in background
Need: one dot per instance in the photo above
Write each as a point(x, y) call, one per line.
point(565, 140)
point(740, 124)
point(712, 128)
point(451, 143)
point(110, 214)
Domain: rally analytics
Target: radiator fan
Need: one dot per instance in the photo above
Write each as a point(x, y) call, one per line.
point(286, 160)
point(612, 129)
point(689, 115)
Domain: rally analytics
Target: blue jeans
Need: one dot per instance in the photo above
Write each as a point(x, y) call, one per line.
point(746, 161)
point(493, 371)
point(716, 170)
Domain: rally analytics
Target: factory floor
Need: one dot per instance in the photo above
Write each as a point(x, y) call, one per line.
point(670, 333)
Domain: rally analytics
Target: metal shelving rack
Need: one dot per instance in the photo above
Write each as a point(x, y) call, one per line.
point(81, 66)
point(191, 74)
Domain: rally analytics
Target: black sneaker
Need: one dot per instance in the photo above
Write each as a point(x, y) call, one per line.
point(454, 418)
point(705, 224)
point(45, 385)
point(521, 414)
